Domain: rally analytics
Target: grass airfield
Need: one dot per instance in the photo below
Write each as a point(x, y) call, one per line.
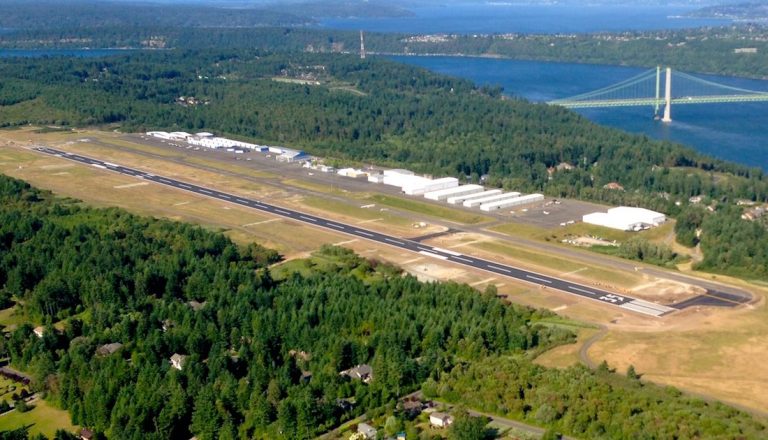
point(713, 352)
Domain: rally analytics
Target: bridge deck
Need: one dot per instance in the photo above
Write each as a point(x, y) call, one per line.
point(637, 102)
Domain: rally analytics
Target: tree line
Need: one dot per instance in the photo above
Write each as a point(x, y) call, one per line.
point(702, 50)
point(589, 404)
point(398, 116)
point(263, 357)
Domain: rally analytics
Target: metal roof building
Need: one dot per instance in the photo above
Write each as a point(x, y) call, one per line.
point(625, 218)
point(462, 190)
point(427, 185)
point(471, 203)
point(514, 201)
point(455, 200)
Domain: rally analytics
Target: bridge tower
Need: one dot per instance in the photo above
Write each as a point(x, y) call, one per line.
point(362, 46)
point(658, 92)
point(668, 97)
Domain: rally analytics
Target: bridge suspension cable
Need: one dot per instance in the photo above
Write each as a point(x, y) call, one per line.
point(618, 87)
point(645, 89)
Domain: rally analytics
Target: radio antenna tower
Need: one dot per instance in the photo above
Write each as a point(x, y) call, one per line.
point(362, 46)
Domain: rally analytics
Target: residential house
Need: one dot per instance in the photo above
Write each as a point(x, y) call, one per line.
point(178, 361)
point(412, 406)
point(39, 331)
point(196, 306)
point(368, 431)
point(86, 434)
point(168, 324)
point(613, 185)
point(107, 349)
point(345, 404)
point(753, 214)
point(362, 372)
point(440, 420)
point(300, 354)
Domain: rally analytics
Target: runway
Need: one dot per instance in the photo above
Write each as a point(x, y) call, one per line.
point(543, 281)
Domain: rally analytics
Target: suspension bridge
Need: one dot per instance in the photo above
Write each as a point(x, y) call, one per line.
point(646, 89)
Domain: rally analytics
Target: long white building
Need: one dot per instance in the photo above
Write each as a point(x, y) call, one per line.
point(462, 190)
point(455, 200)
point(510, 202)
point(419, 188)
point(471, 203)
point(625, 218)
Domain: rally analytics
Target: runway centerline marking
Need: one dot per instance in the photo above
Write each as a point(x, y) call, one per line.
point(521, 274)
point(490, 266)
point(538, 279)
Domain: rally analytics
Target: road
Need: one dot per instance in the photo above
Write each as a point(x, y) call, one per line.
point(543, 281)
point(500, 421)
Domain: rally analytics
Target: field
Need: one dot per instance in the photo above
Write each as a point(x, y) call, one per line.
point(722, 356)
point(453, 215)
point(709, 351)
point(663, 234)
point(11, 318)
point(541, 261)
point(43, 418)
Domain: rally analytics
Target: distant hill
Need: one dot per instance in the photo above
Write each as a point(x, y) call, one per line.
point(73, 14)
point(753, 11)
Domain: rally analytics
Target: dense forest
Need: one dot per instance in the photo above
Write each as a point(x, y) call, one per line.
point(129, 15)
point(365, 110)
point(262, 356)
point(382, 112)
point(589, 404)
point(705, 50)
point(73, 14)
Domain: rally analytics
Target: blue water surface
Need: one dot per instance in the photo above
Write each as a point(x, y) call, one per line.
point(508, 17)
point(79, 53)
point(736, 132)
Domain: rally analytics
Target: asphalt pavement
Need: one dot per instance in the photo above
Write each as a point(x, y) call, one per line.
point(543, 281)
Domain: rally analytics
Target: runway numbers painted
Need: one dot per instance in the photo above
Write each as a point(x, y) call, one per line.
point(611, 298)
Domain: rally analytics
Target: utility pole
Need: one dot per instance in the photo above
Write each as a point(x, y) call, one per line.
point(362, 46)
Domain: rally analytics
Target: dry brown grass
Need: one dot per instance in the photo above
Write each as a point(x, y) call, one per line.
point(717, 352)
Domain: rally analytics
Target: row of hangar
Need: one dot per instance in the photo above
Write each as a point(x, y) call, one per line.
point(447, 189)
